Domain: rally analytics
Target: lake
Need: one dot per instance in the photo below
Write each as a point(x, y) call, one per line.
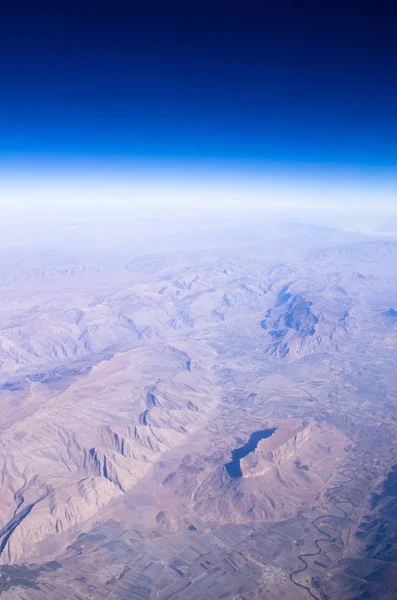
point(233, 468)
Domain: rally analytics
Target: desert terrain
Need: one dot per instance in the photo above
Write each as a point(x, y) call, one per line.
point(130, 374)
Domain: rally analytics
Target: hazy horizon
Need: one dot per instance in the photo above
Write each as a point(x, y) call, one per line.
point(198, 329)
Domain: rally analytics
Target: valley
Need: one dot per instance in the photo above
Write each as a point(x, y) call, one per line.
point(203, 424)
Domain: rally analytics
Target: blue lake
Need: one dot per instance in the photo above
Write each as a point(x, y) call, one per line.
point(233, 468)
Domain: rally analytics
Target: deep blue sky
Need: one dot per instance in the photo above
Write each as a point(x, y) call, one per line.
point(292, 83)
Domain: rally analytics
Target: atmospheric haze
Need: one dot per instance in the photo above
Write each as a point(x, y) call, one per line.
point(137, 354)
point(326, 196)
point(198, 328)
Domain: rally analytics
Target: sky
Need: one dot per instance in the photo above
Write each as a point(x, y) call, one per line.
point(103, 102)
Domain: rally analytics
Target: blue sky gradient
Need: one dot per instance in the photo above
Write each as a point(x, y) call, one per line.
point(194, 89)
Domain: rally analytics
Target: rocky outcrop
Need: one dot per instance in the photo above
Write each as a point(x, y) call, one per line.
point(262, 460)
point(75, 450)
point(305, 323)
point(285, 471)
